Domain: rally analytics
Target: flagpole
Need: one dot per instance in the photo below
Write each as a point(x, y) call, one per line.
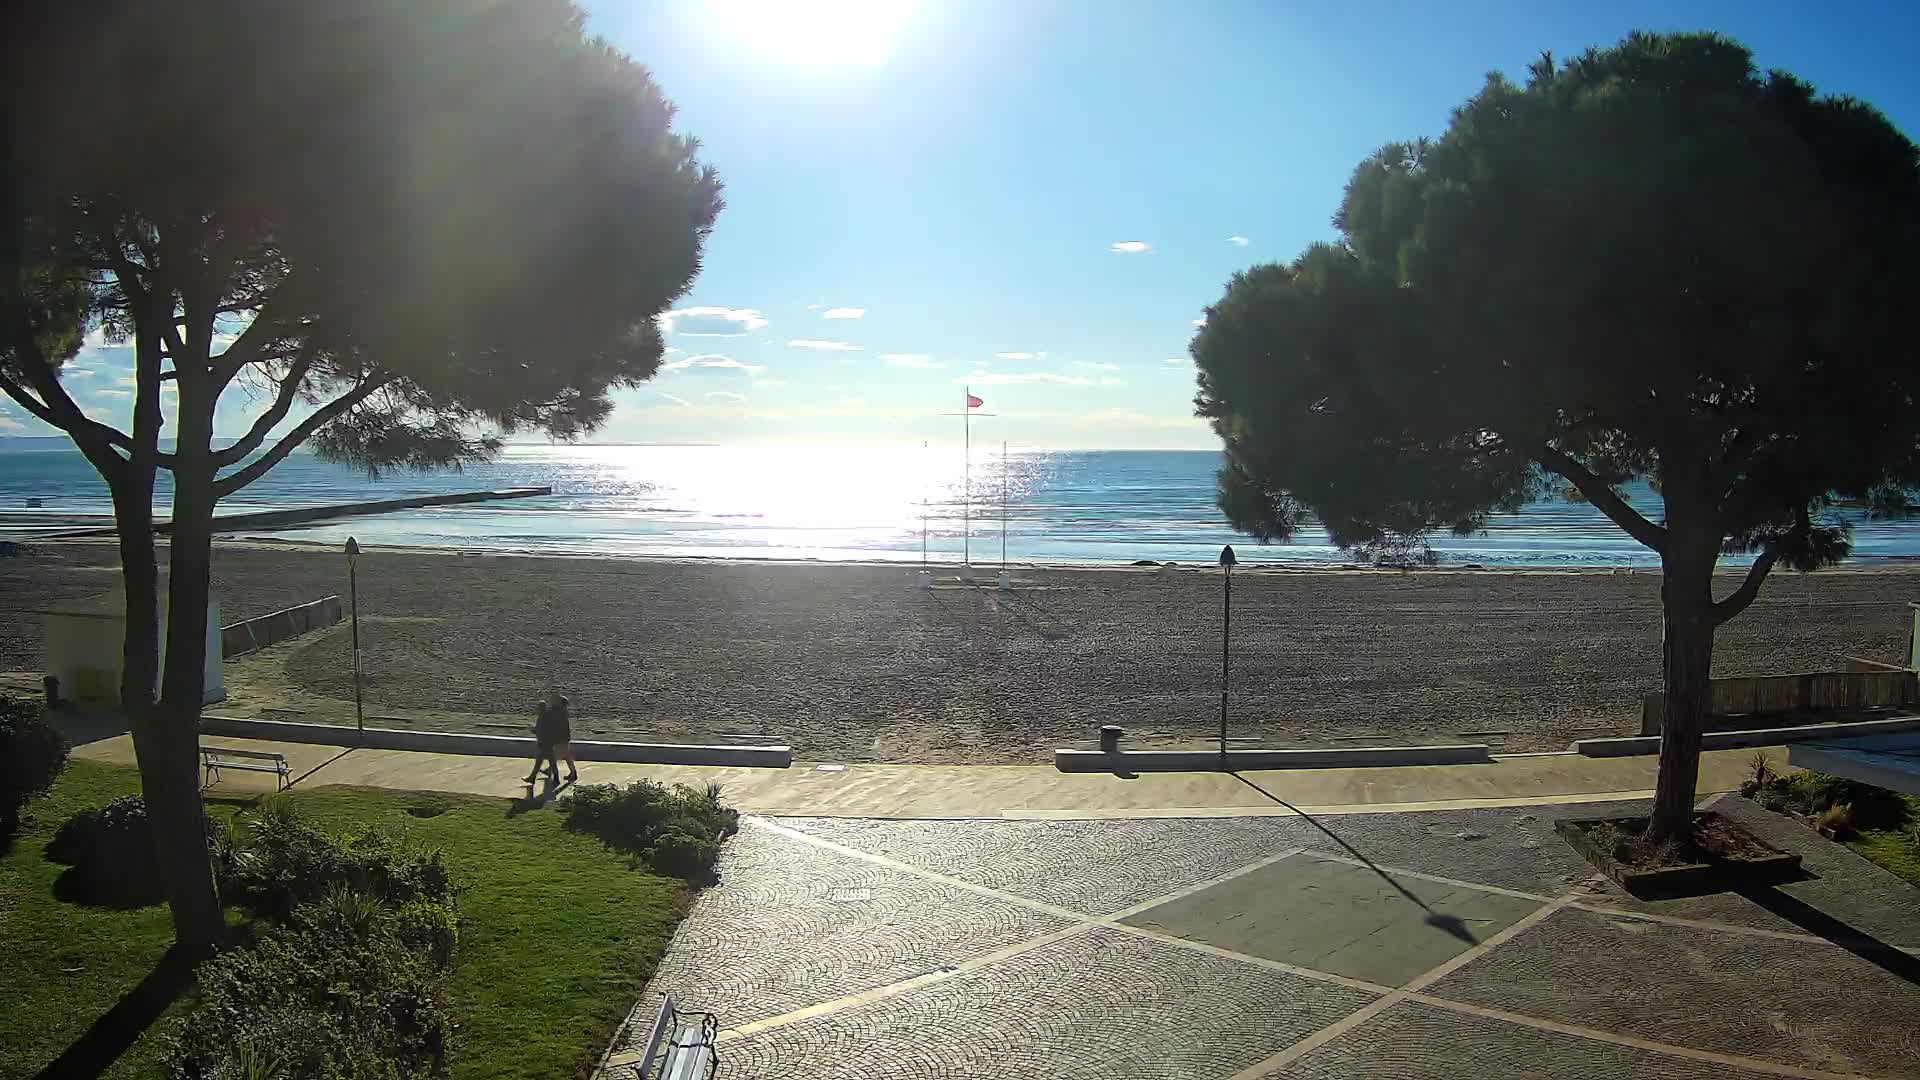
point(923, 506)
point(1005, 482)
point(966, 486)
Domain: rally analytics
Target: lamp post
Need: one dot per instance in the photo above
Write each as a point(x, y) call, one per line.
point(353, 600)
point(1226, 635)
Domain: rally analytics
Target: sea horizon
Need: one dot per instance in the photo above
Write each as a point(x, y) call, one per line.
point(827, 503)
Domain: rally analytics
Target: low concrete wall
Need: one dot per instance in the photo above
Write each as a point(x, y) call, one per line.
point(1209, 760)
point(1733, 740)
point(454, 742)
point(241, 638)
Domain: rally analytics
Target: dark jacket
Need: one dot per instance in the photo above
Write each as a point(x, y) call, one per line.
point(552, 724)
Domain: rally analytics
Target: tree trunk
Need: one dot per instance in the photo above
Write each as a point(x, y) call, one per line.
point(1686, 670)
point(179, 825)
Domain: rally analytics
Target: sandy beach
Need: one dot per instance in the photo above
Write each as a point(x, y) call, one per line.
point(853, 663)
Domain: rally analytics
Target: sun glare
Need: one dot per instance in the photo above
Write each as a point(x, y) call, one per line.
point(827, 32)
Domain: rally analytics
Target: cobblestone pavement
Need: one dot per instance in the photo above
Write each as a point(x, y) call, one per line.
point(1451, 944)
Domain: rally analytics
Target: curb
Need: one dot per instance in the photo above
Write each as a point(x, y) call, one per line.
point(1209, 760)
point(521, 746)
point(1632, 745)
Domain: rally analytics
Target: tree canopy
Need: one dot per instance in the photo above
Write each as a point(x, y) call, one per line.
point(1651, 261)
point(429, 222)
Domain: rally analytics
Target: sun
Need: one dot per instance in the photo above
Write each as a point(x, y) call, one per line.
point(856, 33)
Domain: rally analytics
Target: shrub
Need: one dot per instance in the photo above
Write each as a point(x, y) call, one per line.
point(350, 987)
point(287, 863)
point(32, 753)
point(674, 830)
point(1838, 819)
point(111, 851)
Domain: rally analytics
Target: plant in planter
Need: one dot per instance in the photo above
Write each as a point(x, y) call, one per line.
point(1716, 853)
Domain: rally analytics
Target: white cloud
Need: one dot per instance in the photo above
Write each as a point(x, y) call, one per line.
point(824, 346)
point(1238, 241)
point(910, 360)
point(1113, 382)
point(852, 403)
point(1094, 365)
point(1129, 247)
point(1003, 378)
point(769, 382)
point(77, 373)
point(1019, 356)
point(680, 401)
point(844, 313)
point(725, 395)
point(113, 393)
point(1178, 361)
point(711, 321)
point(711, 362)
point(1199, 322)
point(8, 423)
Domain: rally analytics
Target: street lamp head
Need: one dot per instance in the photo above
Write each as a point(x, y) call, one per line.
point(353, 548)
point(1226, 556)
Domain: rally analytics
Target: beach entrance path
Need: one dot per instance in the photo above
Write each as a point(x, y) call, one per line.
point(1455, 943)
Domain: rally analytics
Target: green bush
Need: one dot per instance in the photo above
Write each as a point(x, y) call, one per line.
point(32, 753)
point(674, 830)
point(336, 993)
point(111, 851)
point(286, 863)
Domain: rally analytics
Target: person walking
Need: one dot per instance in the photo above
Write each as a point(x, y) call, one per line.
point(543, 743)
point(560, 732)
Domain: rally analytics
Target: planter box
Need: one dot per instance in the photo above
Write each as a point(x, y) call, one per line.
point(1712, 874)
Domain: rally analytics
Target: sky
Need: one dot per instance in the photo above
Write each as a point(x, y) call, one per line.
point(1038, 198)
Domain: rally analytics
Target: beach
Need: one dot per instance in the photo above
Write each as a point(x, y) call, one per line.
point(854, 663)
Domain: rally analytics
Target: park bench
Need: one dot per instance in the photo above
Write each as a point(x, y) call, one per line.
point(678, 1047)
point(215, 758)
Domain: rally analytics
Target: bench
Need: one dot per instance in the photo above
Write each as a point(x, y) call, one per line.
point(215, 758)
point(678, 1047)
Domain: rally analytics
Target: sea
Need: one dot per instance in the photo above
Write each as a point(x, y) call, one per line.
point(835, 504)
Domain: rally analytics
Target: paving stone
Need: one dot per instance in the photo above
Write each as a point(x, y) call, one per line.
point(1811, 1004)
point(1842, 886)
point(1096, 867)
point(791, 924)
point(1099, 1005)
point(1334, 917)
point(1511, 847)
point(1415, 1040)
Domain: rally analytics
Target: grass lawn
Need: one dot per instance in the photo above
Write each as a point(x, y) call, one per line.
point(1892, 846)
point(557, 935)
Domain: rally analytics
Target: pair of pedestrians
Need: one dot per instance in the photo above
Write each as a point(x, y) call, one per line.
point(553, 739)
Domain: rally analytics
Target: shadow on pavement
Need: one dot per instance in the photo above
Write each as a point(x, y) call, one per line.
point(1894, 961)
point(1452, 924)
point(118, 1027)
point(320, 766)
point(534, 800)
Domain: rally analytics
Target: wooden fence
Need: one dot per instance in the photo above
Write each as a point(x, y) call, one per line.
point(1813, 691)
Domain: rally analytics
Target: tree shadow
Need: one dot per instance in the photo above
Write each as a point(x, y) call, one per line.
point(1452, 924)
point(1890, 959)
point(117, 1028)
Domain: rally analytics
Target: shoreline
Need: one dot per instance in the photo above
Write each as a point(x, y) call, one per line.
point(1868, 564)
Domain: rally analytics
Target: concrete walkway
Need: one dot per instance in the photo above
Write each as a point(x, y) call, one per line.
point(1009, 791)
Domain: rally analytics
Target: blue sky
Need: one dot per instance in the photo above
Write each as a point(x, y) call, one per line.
point(922, 195)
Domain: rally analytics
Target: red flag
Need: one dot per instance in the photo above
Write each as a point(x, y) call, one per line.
point(974, 402)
